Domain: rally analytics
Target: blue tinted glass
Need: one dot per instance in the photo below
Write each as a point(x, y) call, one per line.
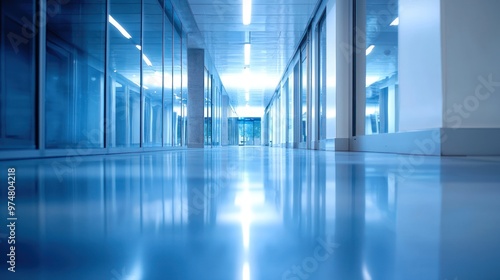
point(74, 102)
point(124, 70)
point(381, 66)
point(17, 75)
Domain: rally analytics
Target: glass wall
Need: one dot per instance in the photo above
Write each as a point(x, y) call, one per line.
point(381, 66)
point(299, 105)
point(207, 110)
point(322, 78)
point(290, 111)
point(217, 108)
point(74, 84)
point(152, 71)
point(177, 87)
point(249, 131)
point(114, 75)
point(124, 71)
point(184, 86)
point(167, 76)
point(17, 75)
point(303, 93)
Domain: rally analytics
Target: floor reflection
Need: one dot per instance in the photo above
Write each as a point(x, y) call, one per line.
point(254, 213)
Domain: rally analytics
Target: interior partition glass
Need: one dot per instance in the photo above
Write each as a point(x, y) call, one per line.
point(208, 109)
point(17, 73)
point(381, 66)
point(184, 82)
point(74, 96)
point(177, 84)
point(124, 71)
point(152, 73)
point(290, 111)
point(322, 78)
point(217, 115)
point(249, 130)
point(303, 94)
point(167, 76)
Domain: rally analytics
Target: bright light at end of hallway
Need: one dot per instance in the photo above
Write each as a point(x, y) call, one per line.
point(250, 111)
point(233, 81)
point(247, 12)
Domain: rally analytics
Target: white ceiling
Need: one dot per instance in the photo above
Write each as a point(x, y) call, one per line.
point(275, 31)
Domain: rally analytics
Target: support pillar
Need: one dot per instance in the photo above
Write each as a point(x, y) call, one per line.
point(195, 102)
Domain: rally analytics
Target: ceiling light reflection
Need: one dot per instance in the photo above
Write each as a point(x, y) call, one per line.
point(247, 53)
point(247, 12)
point(370, 49)
point(246, 271)
point(119, 27)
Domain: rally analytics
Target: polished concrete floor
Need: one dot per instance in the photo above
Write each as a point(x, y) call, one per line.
point(254, 214)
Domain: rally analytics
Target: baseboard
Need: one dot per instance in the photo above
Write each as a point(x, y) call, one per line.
point(435, 142)
point(426, 142)
point(470, 142)
point(195, 146)
point(337, 144)
point(342, 144)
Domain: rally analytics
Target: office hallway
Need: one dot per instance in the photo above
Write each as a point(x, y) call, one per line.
point(254, 213)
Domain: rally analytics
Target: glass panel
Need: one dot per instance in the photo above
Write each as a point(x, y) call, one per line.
point(177, 68)
point(124, 73)
point(216, 116)
point(17, 70)
point(208, 108)
point(257, 132)
point(184, 87)
point(322, 80)
point(167, 78)
point(381, 66)
point(152, 73)
point(249, 131)
point(289, 84)
point(303, 95)
point(74, 100)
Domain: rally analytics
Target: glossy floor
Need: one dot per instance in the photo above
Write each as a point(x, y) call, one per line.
point(254, 214)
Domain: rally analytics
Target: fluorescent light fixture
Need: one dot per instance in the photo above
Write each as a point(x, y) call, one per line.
point(138, 47)
point(370, 49)
point(395, 22)
point(247, 54)
point(247, 12)
point(146, 59)
point(119, 27)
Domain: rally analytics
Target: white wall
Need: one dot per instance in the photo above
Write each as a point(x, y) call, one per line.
point(471, 46)
point(420, 77)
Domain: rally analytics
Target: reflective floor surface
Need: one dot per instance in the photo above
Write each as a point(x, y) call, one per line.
point(252, 214)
